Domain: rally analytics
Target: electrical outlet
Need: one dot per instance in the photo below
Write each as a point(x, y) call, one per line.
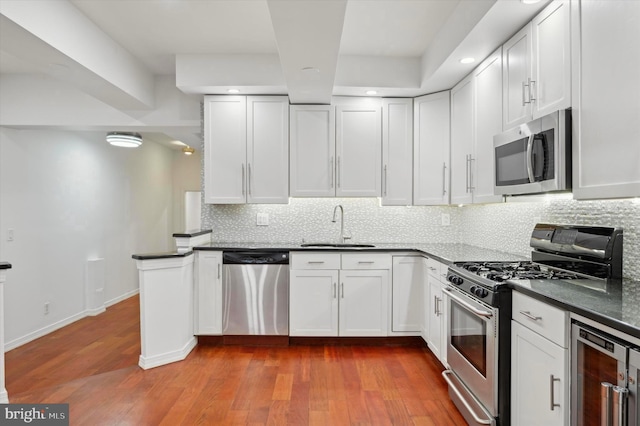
point(9, 234)
point(445, 219)
point(262, 219)
point(46, 308)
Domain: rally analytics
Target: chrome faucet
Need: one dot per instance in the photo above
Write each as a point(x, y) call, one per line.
point(343, 238)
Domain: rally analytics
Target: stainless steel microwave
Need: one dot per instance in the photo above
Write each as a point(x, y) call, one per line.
point(534, 157)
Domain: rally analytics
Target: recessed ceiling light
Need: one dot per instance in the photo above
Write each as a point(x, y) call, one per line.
point(467, 60)
point(187, 150)
point(371, 92)
point(233, 91)
point(530, 1)
point(124, 139)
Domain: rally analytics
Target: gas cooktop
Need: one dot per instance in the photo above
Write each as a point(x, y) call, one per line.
point(503, 271)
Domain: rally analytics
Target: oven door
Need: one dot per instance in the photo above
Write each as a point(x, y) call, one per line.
point(472, 346)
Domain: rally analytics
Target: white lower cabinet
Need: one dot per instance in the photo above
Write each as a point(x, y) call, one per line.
point(435, 310)
point(208, 293)
point(407, 285)
point(539, 366)
point(327, 301)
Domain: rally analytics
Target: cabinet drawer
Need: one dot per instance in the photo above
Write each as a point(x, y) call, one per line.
point(315, 260)
point(366, 261)
point(436, 269)
point(544, 319)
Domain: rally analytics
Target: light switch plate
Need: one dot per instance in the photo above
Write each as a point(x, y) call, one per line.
point(445, 219)
point(262, 219)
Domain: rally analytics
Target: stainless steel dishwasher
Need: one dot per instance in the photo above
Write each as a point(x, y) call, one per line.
point(255, 293)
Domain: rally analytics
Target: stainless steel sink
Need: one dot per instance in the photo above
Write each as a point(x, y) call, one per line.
point(346, 245)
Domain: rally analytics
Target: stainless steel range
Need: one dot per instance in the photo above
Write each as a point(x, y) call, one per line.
point(479, 306)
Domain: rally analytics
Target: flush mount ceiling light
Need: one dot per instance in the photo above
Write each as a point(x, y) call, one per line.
point(467, 60)
point(124, 139)
point(530, 1)
point(187, 150)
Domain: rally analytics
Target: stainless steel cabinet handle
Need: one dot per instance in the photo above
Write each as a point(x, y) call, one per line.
point(249, 179)
point(385, 180)
point(532, 90)
point(331, 168)
point(606, 396)
point(471, 186)
point(366, 261)
point(619, 408)
point(218, 271)
point(334, 290)
point(435, 305)
point(552, 404)
point(444, 178)
point(530, 316)
point(342, 288)
point(338, 173)
point(479, 420)
point(524, 100)
point(312, 262)
point(243, 179)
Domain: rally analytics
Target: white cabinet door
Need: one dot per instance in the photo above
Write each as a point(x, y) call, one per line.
point(487, 123)
point(462, 142)
point(312, 151)
point(539, 379)
point(606, 99)
point(407, 284)
point(537, 67)
point(551, 59)
point(431, 149)
point(225, 145)
point(208, 293)
point(313, 303)
point(397, 151)
point(516, 62)
point(363, 303)
point(267, 149)
point(358, 151)
point(435, 309)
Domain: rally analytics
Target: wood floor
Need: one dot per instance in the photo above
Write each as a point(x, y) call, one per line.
point(92, 365)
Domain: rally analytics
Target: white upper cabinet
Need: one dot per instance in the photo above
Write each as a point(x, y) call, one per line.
point(606, 99)
point(397, 151)
point(487, 80)
point(335, 151)
point(537, 67)
point(431, 149)
point(312, 151)
point(225, 149)
point(462, 142)
point(358, 151)
point(267, 149)
point(246, 149)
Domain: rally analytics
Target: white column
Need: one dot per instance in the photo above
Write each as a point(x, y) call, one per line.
point(4, 397)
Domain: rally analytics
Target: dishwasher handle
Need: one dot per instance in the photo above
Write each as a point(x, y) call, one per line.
point(255, 257)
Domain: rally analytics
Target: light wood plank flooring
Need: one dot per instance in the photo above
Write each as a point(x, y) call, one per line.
point(92, 365)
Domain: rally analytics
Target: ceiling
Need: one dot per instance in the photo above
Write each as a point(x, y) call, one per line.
point(310, 50)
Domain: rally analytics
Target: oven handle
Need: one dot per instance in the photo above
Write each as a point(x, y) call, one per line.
point(530, 158)
point(467, 305)
point(452, 386)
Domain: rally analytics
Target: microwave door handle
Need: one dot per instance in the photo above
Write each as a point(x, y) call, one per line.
point(530, 158)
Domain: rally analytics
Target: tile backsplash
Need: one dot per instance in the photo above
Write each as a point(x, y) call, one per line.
point(506, 226)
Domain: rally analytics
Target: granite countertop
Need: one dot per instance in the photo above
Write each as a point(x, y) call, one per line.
point(5, 265)
point(444, 252)
point(616, 304)
point(164, 255)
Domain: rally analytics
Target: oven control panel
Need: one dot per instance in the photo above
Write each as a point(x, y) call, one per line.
point(471, 286)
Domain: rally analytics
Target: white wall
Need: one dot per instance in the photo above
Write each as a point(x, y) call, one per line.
point(70, 197)
point(186, 177)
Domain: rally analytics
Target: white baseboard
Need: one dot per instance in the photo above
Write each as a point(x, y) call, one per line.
point(64, 322)
point(4, 396)
point(167, 358)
